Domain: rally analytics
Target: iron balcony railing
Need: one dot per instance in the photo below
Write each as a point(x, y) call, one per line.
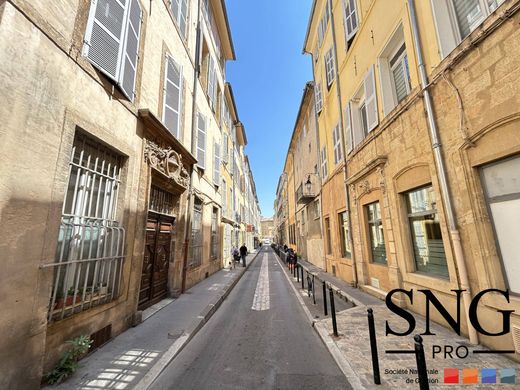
point(307, 192)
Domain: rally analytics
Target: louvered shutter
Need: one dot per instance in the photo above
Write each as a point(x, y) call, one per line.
point(172, 97)
point(350, 20)
point(131, 50)
point(225, 149)
point(371, 99)
point(183, 17)
point(201, 141)
point(104, 35)
point(348, 130)
point(216, 165)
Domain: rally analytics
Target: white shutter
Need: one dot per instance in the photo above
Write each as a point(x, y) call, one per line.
point(348, 129)
point(318, 98)
point(216, 164)
point(225, 151)
point(371, 99)
point(104, 35)
point(131, 50)
point(183, 17)
point(350, 20)
point(201, 140)
point(172, 96)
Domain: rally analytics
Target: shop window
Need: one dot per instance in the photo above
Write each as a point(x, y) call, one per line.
point(375, 232)
point(343, 232)
point(502, 187)
point(328, 243)
point(428, 248)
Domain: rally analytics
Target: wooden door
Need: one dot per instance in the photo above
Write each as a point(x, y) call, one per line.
point(154, 277)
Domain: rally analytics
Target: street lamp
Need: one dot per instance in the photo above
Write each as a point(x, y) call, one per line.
point(308, 184)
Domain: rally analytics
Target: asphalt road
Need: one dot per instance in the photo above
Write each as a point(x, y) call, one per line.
point(259, 338)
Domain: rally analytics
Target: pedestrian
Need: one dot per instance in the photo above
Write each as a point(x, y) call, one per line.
point(243, 254)
point(235, 254)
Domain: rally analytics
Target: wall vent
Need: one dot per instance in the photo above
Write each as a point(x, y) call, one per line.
point(516, 337)
point(374, 282)
point(100, 337)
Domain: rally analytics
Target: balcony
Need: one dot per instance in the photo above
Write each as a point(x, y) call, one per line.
point(308, 189)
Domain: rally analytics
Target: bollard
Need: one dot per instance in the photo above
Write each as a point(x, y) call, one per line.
point(373, 346)
point(333, 312)
point(297, 273)
point(324, 298)
point(303, 282)
point(421, 363)
point(309, 284)
point(313, 291)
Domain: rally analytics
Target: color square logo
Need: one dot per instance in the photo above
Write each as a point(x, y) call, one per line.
point(507, 375)
point(451, 375)
point(489, 375)
point(469, 375)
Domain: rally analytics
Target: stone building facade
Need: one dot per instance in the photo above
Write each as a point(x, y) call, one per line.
point(110, 182)
point(426, 98)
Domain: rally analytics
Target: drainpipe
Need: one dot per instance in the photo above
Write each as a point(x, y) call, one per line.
point(187, 224)
point(463, 280)
point(347, 195)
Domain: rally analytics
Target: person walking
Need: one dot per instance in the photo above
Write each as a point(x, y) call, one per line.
point(243, 254)
point(236, 255)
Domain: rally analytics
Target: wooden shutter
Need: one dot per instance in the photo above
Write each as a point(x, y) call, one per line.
point(225, 152)
point(131, 50)
point(350, 20)
point(216, 165)
point(201, 140)
point(172, 96)
point(104, 35)
point(348, 129)
point(371, 99)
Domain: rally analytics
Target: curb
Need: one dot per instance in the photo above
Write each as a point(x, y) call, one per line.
point(329, 343)
point(188, 334)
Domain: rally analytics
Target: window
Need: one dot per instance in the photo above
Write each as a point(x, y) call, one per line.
point(112, 41)
point(350, 20)
point(225, 149)
point(375, 233)
point(324, 172)
point(216, 163)
point(343, 233)
point(327, 236)
point(394, 72)
point(214, 233)
point(456, 19)
point(363, 109)
point(502, 187)
point(322, 27)
point(91, 242)
point(195, 252)
point(201, 140)
point(180, 14)
point(318, 97)
point(212, 84)
point(224, 197)
point(336, 139)
point(329, 66)
point(426, 233)
point(172, 97)
point(400, 74)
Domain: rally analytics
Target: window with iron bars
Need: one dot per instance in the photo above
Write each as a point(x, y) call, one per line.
point(89, 261)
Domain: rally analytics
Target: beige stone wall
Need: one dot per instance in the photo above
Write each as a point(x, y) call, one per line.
point(397, 157)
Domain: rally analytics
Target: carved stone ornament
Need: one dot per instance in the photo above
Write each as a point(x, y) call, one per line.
point(353, 194)
point(382, 182)
point(364, 188)
point(166, 161)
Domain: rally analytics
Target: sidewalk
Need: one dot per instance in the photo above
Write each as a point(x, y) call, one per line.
point(137, 356)
point(351, 349)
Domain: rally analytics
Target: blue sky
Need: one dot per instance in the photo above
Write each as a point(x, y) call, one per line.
point(268, 78)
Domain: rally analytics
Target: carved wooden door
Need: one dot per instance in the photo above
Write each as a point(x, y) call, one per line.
point(154, 277)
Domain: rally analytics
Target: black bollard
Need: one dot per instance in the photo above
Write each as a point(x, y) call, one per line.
point(333, 312)
point(303, 282)
point(324, 298)
point(313, 291)
point(421, 363)
point(373, 346)
point(297, 273)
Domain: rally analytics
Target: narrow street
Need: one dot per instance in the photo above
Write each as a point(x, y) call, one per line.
point(258, 339)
